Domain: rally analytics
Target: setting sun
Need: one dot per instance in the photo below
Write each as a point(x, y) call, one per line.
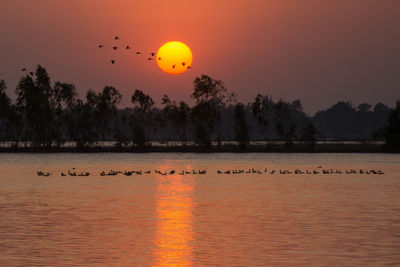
point(174, 57)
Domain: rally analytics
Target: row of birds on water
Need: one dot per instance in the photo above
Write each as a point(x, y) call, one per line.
point(73, 172)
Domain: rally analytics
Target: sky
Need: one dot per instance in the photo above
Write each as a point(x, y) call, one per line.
point(317, 51)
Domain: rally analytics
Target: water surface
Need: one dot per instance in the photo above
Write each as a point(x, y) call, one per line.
point(202, 220)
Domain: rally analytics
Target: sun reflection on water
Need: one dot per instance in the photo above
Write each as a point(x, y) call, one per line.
point(174, 231)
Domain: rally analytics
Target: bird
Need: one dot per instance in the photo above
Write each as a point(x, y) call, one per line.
point(101, 46)
point(152, 54)
point(24, 69)
point(138, 53)
point(159, 58)
point(128, 47)
point(113, 61)
point(183, 64)
point(150, 58)
point(115, 47)
point(173, 66)
point(116, 38)
point(31, 73)
point(189, 67)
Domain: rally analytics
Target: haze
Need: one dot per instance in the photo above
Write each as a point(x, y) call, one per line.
point(317, 51)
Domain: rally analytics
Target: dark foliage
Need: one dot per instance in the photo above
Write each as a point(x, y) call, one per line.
point(392, 130)
point(46, 115)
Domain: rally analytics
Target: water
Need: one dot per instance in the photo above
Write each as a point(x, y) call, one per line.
point(199, 220)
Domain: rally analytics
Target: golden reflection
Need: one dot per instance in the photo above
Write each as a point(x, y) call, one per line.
point(174, 231)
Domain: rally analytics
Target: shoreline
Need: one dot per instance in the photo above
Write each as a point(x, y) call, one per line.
point(271, 148)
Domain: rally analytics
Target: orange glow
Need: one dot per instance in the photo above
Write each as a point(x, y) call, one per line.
point(174, 221)
point(174, 57)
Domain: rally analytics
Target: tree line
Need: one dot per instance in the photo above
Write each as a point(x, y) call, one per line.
point(49, 115)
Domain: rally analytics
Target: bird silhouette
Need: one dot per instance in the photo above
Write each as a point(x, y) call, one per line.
point(101, 46)
point(24, 69)
point(113, 61)
point(138, 53)
point(115, 47)
point(152, 54)
point(128, 47)
point(31, 73)
point(189, 67)
point(159, 58)
point(183, 64)
point(173, 66)
point(150, 58)
point(116, 38)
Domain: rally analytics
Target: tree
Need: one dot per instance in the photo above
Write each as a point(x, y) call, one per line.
point(337, 121)
point(5, 105)
point(178, 115)
point(81, 125)
point(33, 97)
point(392, 129)
point(262, 111)
point(121, 137)
point(240, 125)
point(62, 102)
point(105, 106)
point(142, 118)
point(285, 125)
point(211, 97)
point(308, 136)
point(202, 117)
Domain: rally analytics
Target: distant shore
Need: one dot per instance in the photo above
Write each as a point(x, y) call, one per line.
point(270, 148)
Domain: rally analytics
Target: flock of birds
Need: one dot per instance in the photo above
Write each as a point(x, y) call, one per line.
point(297, 171)
point(127, 47)
point(151, 55)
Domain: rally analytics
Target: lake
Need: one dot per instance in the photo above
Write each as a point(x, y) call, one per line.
point(269, 210)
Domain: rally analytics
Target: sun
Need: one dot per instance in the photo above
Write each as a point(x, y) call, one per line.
point(174, 57)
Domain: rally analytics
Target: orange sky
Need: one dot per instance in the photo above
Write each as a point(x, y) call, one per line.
point(317, 51)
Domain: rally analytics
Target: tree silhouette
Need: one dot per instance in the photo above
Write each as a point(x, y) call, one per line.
point(240, 126)
point(392, 130)
point(285, 124)
point(178, 115)
point(308, 136)
point(44, 114)
point(211, 98)
point(81, 125)
point(5, 105)
point(262, 111)
point(203, 118)
point(105, 106)
point(62, 102)
point(33, 97)
point(142, 118)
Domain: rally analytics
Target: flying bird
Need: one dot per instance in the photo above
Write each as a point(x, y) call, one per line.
point(128, 47)
point(189, 67)
point(101, 46)
point(115, 47)
point(173, 66)
point(116, 38)
point(159, 58)
point(113, 61)
point(183, 64)
point(24, 69)
point(31, 73)
point(152, 54)
point(138, 53)
point(150, 58)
